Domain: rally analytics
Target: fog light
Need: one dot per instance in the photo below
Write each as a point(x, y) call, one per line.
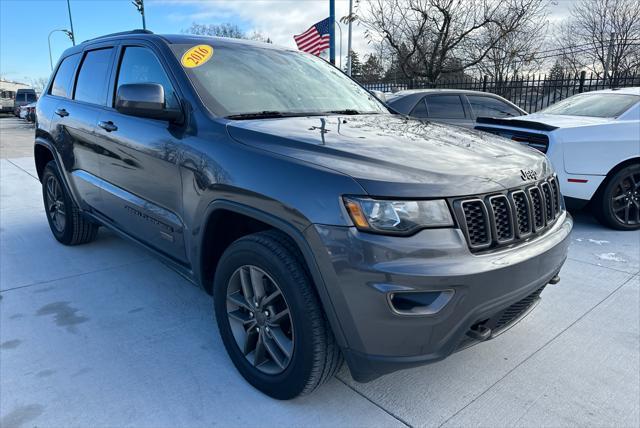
point(419, 302)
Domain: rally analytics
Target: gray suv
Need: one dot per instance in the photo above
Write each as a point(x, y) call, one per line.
point(325, 227)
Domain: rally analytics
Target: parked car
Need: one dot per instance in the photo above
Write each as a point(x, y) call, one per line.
point(452, 106)
point(27, 112)
point(6, 101)
point(23, 97)
point(324, 226)
point(593, 140)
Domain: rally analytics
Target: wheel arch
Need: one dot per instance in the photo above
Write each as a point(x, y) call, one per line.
point(43, 154)
point(227, 221)
point(625, 163)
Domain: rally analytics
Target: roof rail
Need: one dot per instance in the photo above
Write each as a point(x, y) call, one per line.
point(121, 33)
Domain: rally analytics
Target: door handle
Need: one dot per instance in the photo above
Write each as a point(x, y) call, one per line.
point(107, 126)
point(62, 112)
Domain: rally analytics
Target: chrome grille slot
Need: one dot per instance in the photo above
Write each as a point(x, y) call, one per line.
point(537, 208)
point(502, 222)
point(476, 219)
point(555, 190)
point(549, 208)
point(523, 214)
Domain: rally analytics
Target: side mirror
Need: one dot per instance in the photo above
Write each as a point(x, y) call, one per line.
point(145, 100)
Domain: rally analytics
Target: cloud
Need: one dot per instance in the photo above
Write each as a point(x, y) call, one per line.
point(279, 19)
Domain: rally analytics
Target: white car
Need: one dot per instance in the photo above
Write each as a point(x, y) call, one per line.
point(593, 141)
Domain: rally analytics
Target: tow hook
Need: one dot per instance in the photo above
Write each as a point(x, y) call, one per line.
point(554, 280)
point(479, 332)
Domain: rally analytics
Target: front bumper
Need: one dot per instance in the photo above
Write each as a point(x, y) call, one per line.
point(359, 269)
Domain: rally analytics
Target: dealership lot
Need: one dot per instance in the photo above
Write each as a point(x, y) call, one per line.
point(106, 335)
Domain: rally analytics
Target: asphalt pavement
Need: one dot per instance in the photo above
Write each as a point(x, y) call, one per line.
point(106, 335)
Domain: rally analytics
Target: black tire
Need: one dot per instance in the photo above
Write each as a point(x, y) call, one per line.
point(67, 223)
point(617, 204)
point(315, 356)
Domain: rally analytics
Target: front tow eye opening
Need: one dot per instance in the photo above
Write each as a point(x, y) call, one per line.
point(479, 331)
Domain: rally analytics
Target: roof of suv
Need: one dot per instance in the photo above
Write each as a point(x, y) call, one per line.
point(180, 39)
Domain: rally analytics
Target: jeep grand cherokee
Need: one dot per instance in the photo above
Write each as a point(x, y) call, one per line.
point(325, 227)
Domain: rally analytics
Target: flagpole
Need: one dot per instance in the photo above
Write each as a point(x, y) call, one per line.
point(332, 31)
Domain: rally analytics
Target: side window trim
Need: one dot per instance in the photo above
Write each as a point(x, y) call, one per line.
point(72, 81)
point(86, 51)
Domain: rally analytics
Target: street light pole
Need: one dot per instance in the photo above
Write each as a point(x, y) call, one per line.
point(139, 4)
point(332, 32)
point(608, 61)
point(67, 32)
point(349, 38)
point(340, 29)
point(73, 34)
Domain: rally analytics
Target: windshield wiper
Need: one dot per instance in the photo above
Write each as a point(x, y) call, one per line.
point(351, 111)
point(268, 114)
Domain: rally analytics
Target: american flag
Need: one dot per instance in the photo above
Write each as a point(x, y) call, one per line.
point(315, 39)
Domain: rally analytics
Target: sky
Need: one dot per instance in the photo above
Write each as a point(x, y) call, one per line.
point(25, 24)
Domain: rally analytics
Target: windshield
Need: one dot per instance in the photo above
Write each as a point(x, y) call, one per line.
point(243, 79)
point(594, 105)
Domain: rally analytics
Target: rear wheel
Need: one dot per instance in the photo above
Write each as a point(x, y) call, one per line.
point(270, 319)
point(65, 219)
point(618, 204)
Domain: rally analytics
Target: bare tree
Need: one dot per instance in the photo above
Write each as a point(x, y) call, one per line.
point(433, 37)
point(218, 30)
point(586, 36)
point(39, 83)
point(516, 52)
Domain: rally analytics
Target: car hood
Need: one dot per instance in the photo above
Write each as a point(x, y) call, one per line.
point(390, 155)
point(561, 121)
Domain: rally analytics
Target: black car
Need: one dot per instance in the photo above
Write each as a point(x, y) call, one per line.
point(325, 227)
point(453, 106)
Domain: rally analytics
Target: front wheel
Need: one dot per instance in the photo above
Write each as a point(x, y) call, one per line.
point(618, 205)
point(270, 319)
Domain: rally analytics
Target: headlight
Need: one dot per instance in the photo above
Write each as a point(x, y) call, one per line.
point(400, 217)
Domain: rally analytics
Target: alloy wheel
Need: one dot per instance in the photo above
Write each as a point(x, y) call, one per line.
point(55, 203)
point(625, 201)
point(260, 319)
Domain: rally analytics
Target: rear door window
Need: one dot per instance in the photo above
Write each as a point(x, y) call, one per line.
point(491, 107)
point(140, 65)
point(31, 97)
point(93, 78)
point(61, 86)
point(445, 107)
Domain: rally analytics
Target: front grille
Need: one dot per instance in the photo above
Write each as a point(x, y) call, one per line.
point(477, 223)
point(494, 220)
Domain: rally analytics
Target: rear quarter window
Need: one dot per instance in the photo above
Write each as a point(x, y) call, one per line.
point(61, 86)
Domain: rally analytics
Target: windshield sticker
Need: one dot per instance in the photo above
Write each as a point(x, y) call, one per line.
point(196, 56)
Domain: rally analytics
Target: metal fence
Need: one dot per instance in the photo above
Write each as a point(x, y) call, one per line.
point(531, 93)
